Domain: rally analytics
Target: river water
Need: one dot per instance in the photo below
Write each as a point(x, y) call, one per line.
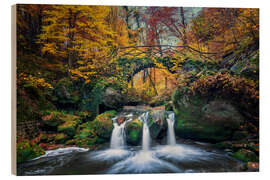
point(116, 157)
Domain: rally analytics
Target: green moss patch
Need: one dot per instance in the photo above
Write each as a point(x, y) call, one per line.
point(27, 151)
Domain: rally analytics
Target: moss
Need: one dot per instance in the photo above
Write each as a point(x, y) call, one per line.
point(85, 115)
point(61, 138)
point(70, 142)
point(134, 129)
point(85, 142)
point(27, 151)
point(246, 155)
point(86, 132)
point(69, 126)
point(53, 118)
point(201, 119)
point(95, 132)
point(134, 135)
point(103, 124)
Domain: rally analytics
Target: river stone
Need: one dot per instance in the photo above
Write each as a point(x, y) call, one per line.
point(200, 119)
point(157, 123)
point(120, 120)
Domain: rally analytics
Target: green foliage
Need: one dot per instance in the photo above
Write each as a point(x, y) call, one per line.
point(61, 138)
point(69, 126)
point(246, 155)
point(96, 131)
point(53, 118)
point(27, 151)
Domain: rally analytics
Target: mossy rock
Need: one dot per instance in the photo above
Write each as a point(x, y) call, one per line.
point(53, 118)
point(157, 122)
point(70, 125)
point(246, 155)
point(86, 142)
point(87, 132)
point(85, 115)
point(27, 151)
point(95, 132)
point(70, 142)
point(200, 119)
point(134, 132)
point(61, 138)
point(103, 124)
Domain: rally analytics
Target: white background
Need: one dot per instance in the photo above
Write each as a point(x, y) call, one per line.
point(5, 86)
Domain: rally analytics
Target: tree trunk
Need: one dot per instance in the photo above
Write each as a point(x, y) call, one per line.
point(183, 25)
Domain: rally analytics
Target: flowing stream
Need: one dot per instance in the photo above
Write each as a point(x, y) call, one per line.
point(170, 133)
point(118, 157)
point(118, 136)
point(146, 135)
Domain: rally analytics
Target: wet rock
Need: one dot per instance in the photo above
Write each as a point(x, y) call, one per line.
point(120, 120)
point(157, 122)
point(134, 132)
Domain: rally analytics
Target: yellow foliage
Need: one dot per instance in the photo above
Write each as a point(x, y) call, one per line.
point(34, 81)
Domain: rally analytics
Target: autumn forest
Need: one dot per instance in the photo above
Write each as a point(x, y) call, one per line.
point(178, 86)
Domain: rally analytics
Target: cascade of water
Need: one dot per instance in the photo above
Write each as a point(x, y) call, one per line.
point(170, 132)
point(146, 134)
point(118, 136)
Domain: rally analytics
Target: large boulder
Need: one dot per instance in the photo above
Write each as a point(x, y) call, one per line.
point(111, 98)
point(134, 132)
point(202, 119)
point(103, 124)
point(157, 127)
point(157, 123)
point(93, 133)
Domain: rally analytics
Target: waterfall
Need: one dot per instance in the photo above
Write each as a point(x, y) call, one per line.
point(146, 135)
point(170, 132)
point(118, 136)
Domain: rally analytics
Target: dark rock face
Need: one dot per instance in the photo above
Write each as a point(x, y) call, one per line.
point(200, 119)
point(222, 113)
point(112, 98)
point(157, 126)
point(157, 123)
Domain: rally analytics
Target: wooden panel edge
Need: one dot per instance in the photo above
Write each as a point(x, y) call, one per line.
point(13, 90)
